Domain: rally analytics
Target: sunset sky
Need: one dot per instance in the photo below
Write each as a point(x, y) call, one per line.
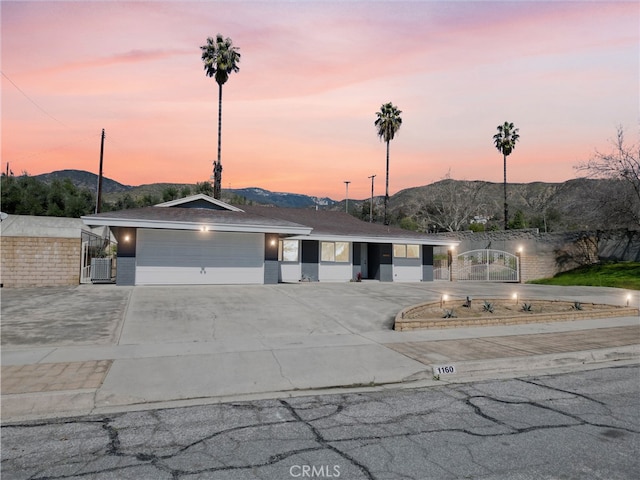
point(298, 117)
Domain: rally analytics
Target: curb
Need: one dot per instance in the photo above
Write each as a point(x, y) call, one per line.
point(74, 403)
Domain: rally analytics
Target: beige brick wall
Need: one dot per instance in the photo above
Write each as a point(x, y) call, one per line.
point(39, 261)
point(534, 266)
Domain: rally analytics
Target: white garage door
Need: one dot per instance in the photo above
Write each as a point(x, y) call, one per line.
point(181, 257)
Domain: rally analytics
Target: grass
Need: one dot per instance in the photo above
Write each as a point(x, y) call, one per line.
point(619, 275)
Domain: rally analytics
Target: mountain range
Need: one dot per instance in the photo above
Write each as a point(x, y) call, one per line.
point(444, 205)
point(112, 189)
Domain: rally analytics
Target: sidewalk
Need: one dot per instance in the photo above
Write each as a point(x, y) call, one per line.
point(161, 347)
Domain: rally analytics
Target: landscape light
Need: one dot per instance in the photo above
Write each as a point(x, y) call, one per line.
point(443, 299)
point(515, 297)
point(628, 299)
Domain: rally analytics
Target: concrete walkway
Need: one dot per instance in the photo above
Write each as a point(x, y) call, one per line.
point(102, 348)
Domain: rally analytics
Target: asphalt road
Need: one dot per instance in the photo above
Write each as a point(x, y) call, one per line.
point(582, 425)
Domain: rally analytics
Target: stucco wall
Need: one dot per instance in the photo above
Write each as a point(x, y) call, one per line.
point(39, 261)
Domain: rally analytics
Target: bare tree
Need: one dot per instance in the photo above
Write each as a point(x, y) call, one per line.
point(539, 198)
point(618, 199)
point(452, 204)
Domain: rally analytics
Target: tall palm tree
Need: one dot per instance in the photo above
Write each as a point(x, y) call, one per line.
point(220, 59)
point(388, 123)
point(505, 141)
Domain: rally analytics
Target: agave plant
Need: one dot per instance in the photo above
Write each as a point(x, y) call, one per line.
point(577, 306)
point(526, 307)
point(449, 314)
point(487, 307)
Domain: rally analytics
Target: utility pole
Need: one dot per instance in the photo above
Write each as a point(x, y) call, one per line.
point(346, 207)
point(99, 195)
point(371, 204)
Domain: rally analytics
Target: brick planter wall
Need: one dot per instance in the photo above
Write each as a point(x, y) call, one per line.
point(39, 261)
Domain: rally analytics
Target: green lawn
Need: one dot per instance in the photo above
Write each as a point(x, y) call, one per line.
point(620, 275)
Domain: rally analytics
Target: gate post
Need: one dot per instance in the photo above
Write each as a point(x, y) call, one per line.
point(451, 259)
point(486, 254)
point(519, 264)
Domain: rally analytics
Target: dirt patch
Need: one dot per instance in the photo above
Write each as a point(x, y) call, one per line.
point(457, 313)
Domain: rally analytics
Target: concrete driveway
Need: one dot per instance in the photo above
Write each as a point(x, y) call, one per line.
point(146, 345)
point(112, 315)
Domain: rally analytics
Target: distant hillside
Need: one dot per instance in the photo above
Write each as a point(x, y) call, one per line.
point(113, 190)
point(459, 204)
point(279, 199)
point(84, 179)
point(444, 205)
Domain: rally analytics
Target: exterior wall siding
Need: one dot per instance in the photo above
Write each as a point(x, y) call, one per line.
point(290, 272)
point(407, 269)
point(386, 273)
point(271, 272)
point(39, 261)
point(126, 271)
point(386, 262)
point(427, 273)
point(427, 263)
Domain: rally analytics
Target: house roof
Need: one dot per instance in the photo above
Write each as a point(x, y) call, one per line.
point(180, 218)
point(333, 225)
point(199, 212)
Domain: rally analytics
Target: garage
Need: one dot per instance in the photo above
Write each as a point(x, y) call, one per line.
point(187, 257)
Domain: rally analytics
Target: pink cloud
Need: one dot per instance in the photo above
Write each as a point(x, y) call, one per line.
point(299, 114)
point(132, 56)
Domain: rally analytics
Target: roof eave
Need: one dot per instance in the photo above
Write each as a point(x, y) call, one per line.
point(376, 239)
point(210, 226)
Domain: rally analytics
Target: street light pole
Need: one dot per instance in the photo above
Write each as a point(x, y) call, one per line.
point(371, 204)
point(346, 207)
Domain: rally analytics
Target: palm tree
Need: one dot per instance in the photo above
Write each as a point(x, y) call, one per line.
point(220, 59)
point(388, 123)
point(505, 141)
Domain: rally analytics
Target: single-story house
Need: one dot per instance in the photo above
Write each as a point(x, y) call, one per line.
point(201, 240)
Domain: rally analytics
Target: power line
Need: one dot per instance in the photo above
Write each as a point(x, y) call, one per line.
point(33, 101)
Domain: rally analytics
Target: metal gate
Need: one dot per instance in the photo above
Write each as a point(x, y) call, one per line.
point(488, 265)
point(95, 247)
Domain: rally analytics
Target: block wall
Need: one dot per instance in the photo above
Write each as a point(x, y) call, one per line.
point(546, 254)
point(39, 261)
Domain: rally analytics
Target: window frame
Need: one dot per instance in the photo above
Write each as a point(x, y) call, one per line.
point(281, 251)
point(406, 250)
point(330, 252)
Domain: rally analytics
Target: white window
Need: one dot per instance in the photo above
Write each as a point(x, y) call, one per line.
point(399, 251)
point(328, 252)
point(342, 251)
point(413, 251)
point(406, 251)
point(288, 251)
point(335, 252)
